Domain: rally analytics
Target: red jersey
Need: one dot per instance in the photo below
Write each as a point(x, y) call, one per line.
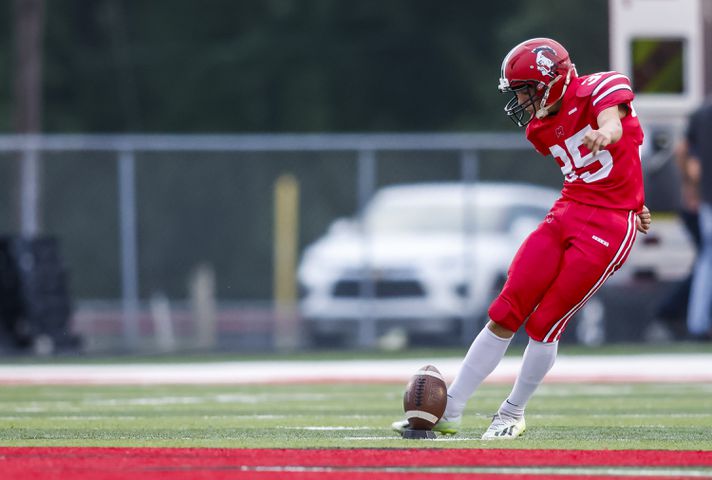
point(613, 178)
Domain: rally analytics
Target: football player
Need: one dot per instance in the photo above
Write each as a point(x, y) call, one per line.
point(588, 124)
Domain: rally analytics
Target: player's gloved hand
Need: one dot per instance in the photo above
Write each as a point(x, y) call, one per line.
point(643, 220)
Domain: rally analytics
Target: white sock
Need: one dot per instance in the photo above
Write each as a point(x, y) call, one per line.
point(538, 359)
point(484, 355)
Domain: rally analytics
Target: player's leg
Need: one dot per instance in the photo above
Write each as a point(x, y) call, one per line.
point(586, 265)
point(700, 302)
point(588, 261)
point(509, 421)
point(481, 359)
point(600, 246)
point(538, 359)
point(532, 270)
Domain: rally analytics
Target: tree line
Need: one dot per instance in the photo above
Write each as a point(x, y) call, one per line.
point(181, 66)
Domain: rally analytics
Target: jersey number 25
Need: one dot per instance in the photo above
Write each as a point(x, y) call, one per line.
point(573, 159)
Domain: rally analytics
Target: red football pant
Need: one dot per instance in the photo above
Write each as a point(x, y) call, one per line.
point(561, 265)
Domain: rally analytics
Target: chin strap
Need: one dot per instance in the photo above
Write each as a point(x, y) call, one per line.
point(543, 110)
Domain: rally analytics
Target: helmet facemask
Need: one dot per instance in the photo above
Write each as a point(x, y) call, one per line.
point(517, 112)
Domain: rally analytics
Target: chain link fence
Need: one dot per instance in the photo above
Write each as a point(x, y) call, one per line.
point(169, 240)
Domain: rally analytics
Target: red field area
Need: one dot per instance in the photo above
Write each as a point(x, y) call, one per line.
point(38, 463)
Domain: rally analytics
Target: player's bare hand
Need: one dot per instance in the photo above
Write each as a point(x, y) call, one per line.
point(596, 140)
point(643, 220)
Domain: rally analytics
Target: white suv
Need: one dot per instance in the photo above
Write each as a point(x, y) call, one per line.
point(423, 258)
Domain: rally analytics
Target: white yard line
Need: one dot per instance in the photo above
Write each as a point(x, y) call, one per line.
point(620, 368)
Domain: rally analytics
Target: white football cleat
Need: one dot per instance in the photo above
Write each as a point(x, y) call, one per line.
point(505, 428)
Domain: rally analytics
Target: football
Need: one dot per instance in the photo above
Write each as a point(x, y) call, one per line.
point(425, 398)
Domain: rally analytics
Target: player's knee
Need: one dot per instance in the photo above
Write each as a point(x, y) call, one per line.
point(534, 333)
point(504, 317)
point(499, 330)
point(540, 332)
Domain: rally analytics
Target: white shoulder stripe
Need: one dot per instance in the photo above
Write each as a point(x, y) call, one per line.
point(603, 83)
point(611, 90)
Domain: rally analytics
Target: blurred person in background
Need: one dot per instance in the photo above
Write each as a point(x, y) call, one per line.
point(699, 140)
point(588, 125)
point(672, 310)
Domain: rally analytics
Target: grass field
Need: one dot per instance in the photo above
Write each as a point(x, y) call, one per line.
point(561, 416)
point(324, 431)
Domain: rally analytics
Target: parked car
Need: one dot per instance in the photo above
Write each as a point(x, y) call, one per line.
point(423, 258)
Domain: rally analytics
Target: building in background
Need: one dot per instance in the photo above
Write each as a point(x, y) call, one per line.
point(663, 46)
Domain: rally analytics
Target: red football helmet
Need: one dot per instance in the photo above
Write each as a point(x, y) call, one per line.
point(540, 67)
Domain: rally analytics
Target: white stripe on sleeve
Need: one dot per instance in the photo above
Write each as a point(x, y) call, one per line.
point(606, 81)
point(611, 90)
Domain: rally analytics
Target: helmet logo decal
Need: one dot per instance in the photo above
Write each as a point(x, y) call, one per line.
point(544, 63)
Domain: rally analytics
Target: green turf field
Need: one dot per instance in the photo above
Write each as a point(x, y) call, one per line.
point(638, 416)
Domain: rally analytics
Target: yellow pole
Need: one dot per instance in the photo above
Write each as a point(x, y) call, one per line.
point(286, 241)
